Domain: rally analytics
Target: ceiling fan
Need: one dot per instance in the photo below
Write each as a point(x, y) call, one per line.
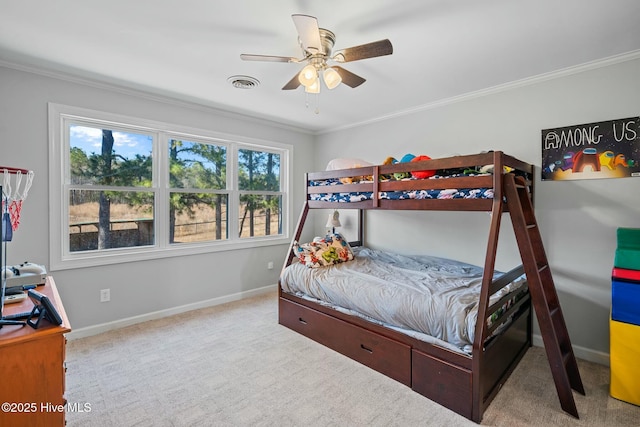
point(316, 44)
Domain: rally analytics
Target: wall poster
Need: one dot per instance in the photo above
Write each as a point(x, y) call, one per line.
point(608, 149)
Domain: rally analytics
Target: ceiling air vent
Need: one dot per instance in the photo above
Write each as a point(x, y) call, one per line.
point(243, 82)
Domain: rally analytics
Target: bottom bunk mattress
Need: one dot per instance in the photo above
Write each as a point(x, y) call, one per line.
point(430, 298)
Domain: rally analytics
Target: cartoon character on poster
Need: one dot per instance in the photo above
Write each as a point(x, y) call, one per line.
point(608, 149)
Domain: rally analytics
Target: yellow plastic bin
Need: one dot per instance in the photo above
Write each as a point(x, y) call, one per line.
point(624, 355)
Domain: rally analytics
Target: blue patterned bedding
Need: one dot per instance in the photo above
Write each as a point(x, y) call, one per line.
point(350, 197)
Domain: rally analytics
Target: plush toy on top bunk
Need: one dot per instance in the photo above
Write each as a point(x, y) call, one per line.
point(399, 176)
point(349, 163)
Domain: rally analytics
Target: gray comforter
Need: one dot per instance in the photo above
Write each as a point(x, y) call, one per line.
point(429, 295)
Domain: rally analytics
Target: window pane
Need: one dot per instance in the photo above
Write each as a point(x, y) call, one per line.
point(260, 215)
point(197, 165)
point(258, 170)
point(110, 219)
point(197, 217)
point(109, 157)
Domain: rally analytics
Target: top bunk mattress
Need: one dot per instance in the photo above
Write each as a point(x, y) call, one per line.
point(427, 297)
point(419, 194)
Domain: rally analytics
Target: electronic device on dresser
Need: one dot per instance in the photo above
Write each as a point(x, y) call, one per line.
point(44, 309)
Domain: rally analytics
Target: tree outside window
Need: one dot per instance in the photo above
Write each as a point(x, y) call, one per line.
point(260, 198)
point(110, 205)
point(198, 206)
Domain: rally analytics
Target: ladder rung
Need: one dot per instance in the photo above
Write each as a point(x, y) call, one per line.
point(531, 226)
point(543, 268)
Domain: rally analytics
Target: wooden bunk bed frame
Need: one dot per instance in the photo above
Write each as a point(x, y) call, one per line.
point(465, 384)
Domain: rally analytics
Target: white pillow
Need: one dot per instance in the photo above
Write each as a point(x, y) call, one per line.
point(346, 164)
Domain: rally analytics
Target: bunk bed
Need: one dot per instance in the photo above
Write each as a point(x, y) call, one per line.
point(463, 378)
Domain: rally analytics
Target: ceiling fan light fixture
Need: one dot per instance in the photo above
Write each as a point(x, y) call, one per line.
point(331, 78)
point(314, 87)
point(317, 47)
point(308, 76)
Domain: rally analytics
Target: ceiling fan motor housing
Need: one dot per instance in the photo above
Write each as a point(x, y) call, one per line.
point(327, 40)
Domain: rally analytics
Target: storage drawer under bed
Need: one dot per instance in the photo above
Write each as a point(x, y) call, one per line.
point(442, 382)
point(382, 354)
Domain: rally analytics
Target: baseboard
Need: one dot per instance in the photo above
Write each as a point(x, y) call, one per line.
point(580, 352)
point(104, 327)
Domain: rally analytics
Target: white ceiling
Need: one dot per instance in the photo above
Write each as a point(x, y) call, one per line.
point(443, 49)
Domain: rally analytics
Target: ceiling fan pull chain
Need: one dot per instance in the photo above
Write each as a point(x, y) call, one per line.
point(306, 101)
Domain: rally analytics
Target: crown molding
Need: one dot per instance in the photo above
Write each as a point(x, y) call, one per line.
point(165, 99)
point(588, 66)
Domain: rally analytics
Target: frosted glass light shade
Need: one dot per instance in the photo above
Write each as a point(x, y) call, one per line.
point(308, 76)
point(313, 88)
point(331, 78)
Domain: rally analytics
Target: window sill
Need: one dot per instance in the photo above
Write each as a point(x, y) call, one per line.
point(119, 256)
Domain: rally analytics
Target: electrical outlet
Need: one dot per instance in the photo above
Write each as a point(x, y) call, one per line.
point(270, 265)
point(105, 295)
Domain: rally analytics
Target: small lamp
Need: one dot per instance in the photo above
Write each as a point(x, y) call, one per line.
point(333, 221)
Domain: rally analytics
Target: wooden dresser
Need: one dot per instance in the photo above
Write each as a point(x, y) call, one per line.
point(32, 368)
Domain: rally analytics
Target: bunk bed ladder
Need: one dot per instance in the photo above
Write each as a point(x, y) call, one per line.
point(555, 337)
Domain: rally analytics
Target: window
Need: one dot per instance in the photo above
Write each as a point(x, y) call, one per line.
point(259, 190)
point(124, 189)
point(198, 198)
point(110, 175)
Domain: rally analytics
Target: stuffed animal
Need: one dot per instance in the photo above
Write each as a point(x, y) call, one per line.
point(489, 169)
point(404, 175)
point(425, 173)
point(388, 161)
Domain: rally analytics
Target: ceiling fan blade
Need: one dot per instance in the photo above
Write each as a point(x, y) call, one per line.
point(364, 51)
point(308, 32)
point(267, 58)
point(348, 78)
point(292, 84)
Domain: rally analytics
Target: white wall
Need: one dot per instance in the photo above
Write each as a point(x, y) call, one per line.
point(142, 287)
point(578, 219)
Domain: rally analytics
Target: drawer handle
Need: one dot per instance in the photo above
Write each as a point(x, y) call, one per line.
point(365, 348)
point(301, 320)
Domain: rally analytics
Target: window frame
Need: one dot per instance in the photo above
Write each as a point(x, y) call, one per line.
point(60, 116)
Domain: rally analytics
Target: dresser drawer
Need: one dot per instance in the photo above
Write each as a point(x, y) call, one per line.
point(383, 354)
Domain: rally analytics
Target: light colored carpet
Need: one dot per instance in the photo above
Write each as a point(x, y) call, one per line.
point(234, 365)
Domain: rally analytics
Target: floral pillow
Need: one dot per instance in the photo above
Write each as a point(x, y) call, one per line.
point(329, 250)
